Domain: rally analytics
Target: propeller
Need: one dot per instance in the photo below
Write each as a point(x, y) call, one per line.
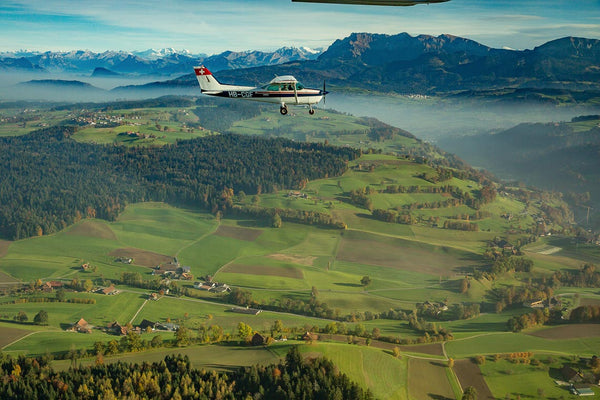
point(324, 91)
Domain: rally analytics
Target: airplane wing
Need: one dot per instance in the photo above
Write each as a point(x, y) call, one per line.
point(376, 2)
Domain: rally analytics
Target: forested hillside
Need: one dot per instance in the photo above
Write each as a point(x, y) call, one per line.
point(562, 156)
point(48, 181)
point(175, 378)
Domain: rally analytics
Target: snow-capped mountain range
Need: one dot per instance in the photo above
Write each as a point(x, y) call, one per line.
point(167, 61)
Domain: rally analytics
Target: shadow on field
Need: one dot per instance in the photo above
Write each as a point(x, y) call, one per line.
point(367, 216)
point(347, 284)
point(259, 223)
point(481, 326)
point(439, 364)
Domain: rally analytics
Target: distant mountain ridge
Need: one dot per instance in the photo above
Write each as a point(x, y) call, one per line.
point(401, 64)
point(428, 65)
point(148, 62)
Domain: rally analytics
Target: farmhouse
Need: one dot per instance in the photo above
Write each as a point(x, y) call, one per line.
point(534, 304)
point(186, 270)
point(258, 339)
point(166, 327)
point(247, 310)
point(145, 324)
point(297, 195)
point(50, 286)
point(310, 337)
point(116, 328)
point(570, 374)
point(220, 288)
point(551, 302)
point(109, 290)
point(186, 276)
point(204, 285)
point(81, 326)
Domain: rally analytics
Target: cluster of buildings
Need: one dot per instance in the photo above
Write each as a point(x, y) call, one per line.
point(82, 326)
point(214, 287)
point(297, 195)
point(97, 119)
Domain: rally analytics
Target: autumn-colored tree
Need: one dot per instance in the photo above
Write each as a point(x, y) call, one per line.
point(244, 331)
point(182, 336)
point(88, 285)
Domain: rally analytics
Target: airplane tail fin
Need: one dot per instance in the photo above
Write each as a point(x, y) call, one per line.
point(207, 81)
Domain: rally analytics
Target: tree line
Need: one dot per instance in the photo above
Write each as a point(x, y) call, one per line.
point(49, 181)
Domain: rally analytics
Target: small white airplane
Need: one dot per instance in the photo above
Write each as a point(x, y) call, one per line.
point(376, 2)
point(283, 90)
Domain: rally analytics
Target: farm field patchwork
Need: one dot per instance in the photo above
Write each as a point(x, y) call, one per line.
point(406, 265)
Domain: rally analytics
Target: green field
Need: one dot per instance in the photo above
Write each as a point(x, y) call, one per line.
point(379, 371)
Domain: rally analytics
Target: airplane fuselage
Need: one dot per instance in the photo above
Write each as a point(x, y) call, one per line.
point(281, 90)
point(304, 96)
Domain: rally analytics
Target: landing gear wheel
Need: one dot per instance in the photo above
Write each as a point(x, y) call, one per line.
point(311, 111)
point(283, 110)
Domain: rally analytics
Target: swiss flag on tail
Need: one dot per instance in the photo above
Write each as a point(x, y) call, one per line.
point(201, 71)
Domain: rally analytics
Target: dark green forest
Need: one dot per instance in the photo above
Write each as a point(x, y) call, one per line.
point(49, 181)
point(175, 378)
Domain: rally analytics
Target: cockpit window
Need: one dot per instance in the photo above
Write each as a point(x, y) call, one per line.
point(282, 86)
point(271, 87)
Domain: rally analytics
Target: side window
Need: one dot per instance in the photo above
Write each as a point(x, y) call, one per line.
point(299, 86)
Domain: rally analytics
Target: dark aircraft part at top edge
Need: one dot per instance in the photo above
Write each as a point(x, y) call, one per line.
point(376, 2)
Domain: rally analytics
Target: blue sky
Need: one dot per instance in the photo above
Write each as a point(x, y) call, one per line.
point(215, 26)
